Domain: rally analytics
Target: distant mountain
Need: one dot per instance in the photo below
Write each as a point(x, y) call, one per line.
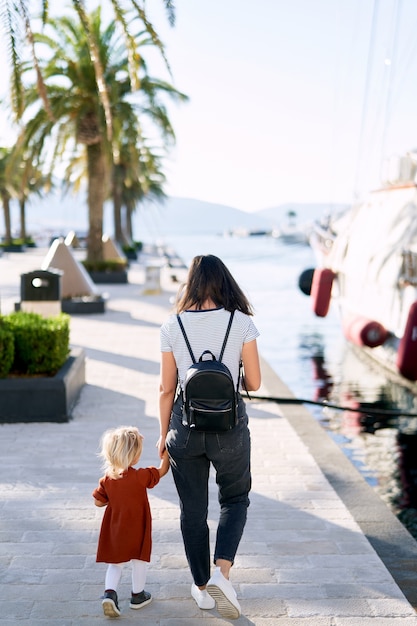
point(57, 214)
point(304, 212)
point(186, 215)
point(175, 216)
point(54, 213)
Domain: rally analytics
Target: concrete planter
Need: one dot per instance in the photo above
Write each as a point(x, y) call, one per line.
point(14, 247)
point(118, 277)
point(83, 305)
point(43, 399)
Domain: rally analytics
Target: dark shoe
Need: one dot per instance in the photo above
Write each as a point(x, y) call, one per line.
point(110, 606)
point(138, 600)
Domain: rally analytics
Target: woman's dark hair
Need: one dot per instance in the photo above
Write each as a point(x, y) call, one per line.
point(209, 278)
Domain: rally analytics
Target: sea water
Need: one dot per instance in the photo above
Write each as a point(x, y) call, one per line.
point(312, 357)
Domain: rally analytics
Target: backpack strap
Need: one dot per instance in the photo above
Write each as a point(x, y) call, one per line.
point(241, 377)
point(226, 335)
point(186, 339)
point(224, 341)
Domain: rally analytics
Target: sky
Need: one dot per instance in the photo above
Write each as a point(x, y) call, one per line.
point(289, 101)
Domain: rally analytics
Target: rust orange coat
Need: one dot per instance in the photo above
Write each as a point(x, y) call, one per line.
point(126, 529)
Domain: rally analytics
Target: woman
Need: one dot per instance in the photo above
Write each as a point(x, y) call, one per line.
point(204, 306)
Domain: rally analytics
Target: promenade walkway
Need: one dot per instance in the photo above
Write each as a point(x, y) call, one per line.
point(319, 548)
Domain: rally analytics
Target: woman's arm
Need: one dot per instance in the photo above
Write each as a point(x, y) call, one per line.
point(99, 503)
point(167, 387)
point(251, 366)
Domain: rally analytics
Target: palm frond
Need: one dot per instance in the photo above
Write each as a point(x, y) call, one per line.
point(169, 5)
point(152, 32)
point(45, 11)
point(11, 26)
point(31, 41)
point(134, 58)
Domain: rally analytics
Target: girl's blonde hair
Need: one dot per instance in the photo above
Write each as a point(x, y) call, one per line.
point(120, 448)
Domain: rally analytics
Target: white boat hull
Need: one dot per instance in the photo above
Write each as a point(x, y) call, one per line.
point(372, 251)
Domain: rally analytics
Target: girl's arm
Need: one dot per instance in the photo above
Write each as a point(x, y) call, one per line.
point(99, 503)
point(167, 387)
point(251, 366)
point(164, 465)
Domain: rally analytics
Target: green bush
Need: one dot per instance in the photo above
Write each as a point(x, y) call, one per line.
point(41, 345)
point(30, 242)
point(128, 248)
point(13, 243)
point(6, 350)
point(113, 265)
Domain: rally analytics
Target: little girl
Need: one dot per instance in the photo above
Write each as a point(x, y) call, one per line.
point(125, 533)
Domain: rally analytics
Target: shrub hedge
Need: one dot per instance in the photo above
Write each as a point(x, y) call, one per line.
point(110, 265)
point(40, 344)
point(6, 351)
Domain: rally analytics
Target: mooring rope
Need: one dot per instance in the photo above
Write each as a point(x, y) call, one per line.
point(329, 405)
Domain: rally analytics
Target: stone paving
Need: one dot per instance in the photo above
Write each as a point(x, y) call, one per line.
point(304, 559)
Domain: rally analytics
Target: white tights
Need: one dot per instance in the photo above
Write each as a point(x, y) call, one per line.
point(114, 572)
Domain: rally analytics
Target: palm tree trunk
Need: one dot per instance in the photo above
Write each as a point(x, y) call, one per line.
point(7, 221)
point(117, 211)
point(128, 227)
point(22, 219)
point(97, 187)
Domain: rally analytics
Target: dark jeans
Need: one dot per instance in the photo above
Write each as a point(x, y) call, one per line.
point(191, 454)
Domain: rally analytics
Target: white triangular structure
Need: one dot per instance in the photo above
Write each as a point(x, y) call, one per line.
point(112, 250)
point(71, 240)
point(76, 281)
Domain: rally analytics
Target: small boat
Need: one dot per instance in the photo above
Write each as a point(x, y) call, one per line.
point(248, 232)
point(290, 232)
point(367, 267)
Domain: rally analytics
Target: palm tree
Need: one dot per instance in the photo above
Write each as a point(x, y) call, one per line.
point(28, 179)
point(137, 173)
point(149, 186)
point(77, 130)
point(31, 181)
point(18, 28)
point(137, 176)
point(5, 193)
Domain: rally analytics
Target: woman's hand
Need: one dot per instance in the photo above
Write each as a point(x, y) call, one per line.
point(160, 444)
point(251, 366)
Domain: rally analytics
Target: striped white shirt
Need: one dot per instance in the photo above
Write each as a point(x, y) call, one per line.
point(205, 331)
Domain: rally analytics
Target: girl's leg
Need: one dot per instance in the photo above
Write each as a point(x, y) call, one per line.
point(110, 602)
point(140, 597)
point(139, 569)
point(113, 574)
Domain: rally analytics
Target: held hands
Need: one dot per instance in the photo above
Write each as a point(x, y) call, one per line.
point(164, 465)
point(160, 444)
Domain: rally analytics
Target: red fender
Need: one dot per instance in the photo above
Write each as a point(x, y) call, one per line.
point(321, 290)
point(365, 332)
point(407, 350)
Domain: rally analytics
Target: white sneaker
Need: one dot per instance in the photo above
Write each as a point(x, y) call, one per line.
point(223, 593)
point(204, 601)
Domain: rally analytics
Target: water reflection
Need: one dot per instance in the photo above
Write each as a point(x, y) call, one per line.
point(376, 425)
point(323, 380)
